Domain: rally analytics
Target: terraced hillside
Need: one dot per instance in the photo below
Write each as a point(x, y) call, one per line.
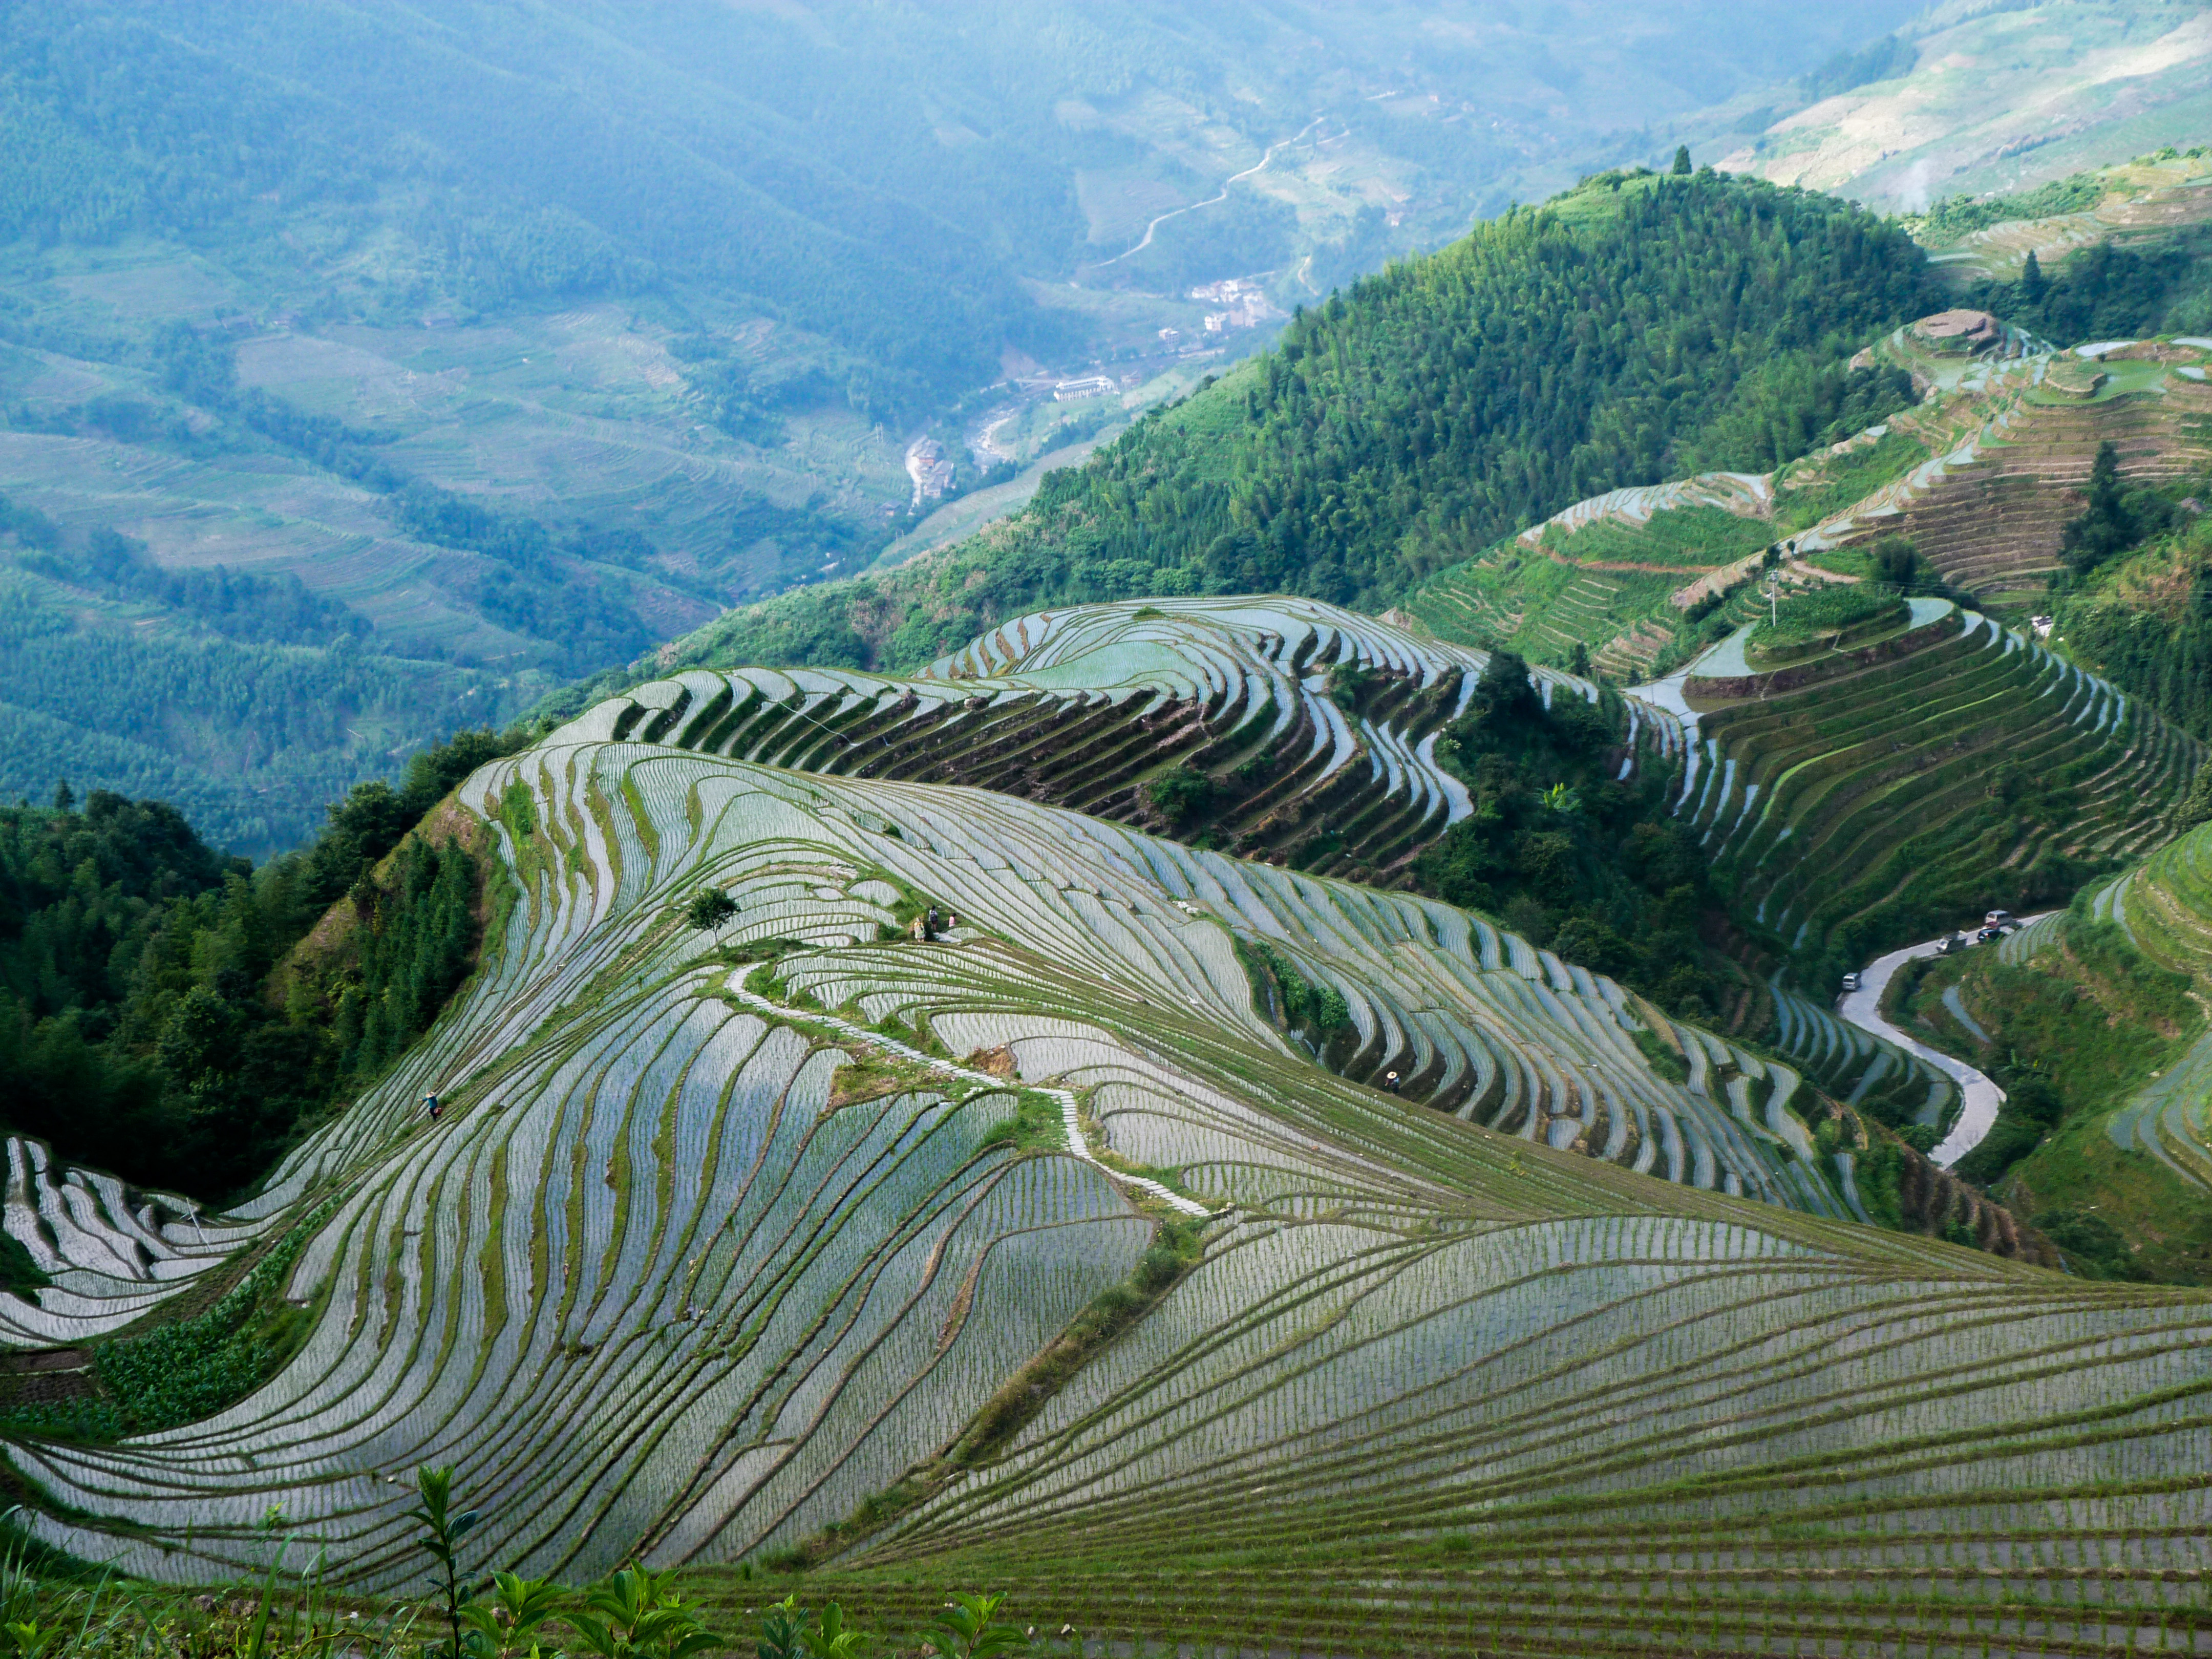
point(1880, 793)
point(2138, 203)
point(1992, 522)
point(1982, 476)
point(718, 1237)
point(1310, 729)
point(2095, 1018)
point(1313, 729)
point(679, 1195)
point(2165, 908)
point(110, 1254)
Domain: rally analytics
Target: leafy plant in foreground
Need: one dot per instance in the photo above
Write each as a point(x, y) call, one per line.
point(968, 1628)
point(505, 1623)
point(442, 1532)
point(639, 1614)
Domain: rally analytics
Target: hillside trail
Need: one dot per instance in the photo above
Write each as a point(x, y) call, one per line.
point(1070, 1119)
point(1172, 213)
point(1979, 1097)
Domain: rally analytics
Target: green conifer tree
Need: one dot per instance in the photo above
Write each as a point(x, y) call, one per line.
point(1681, 159)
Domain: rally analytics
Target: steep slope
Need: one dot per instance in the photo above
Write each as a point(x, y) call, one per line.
point(667, 1177)
point(1420, 415)
point(1312, 729)
point(1879, 792)
point(715, 1240)
point(2093, 1019)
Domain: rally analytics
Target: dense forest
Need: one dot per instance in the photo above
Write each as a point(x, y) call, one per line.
point(154, 1019)
point(2111, 293)
point(1564, 851)
point(1638, 328)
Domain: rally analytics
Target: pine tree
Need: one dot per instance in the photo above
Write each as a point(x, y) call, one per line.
point(2106, 528)
point(1681, 159)
point(2032, 283)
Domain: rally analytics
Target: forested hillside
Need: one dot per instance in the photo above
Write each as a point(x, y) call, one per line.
point(1638, 327)
point(154, 1017)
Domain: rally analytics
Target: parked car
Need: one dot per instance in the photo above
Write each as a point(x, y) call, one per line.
point(1850, 981)
point(1956, 943)
point(1999, 919)
point(1989, 933)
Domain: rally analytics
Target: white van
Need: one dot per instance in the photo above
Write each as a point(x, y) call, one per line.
point(1851, 982)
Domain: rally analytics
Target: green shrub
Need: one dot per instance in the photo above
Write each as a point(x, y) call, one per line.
point(179, 1373)
point(1183, 795)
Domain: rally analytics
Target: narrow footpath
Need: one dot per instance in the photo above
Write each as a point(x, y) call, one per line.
point(1065, 1098)
point(1981, 1097)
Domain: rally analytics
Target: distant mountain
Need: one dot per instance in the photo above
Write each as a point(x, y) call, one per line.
point(1976, 97)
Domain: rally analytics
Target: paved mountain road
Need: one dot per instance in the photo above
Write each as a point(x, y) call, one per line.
point(1982, 1097)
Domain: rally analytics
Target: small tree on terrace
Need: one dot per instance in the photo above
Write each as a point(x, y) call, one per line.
point(2107, 528)
point(1895, 561)
point(710, 907)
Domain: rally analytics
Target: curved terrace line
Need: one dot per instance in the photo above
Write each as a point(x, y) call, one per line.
point(1077, 1145)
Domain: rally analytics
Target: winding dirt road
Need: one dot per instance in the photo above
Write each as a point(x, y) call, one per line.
point(1281, 143)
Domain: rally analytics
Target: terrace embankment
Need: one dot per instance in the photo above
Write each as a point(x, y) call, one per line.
point(1993, 525)
point(1283, 730)
point(1873, 797)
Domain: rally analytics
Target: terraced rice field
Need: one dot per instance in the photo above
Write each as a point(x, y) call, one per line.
point(1082, 708)
point(654, 1277)
point(1865, 798)
point(1659, 1443)
point(721, 1235)
point(1982, 476)
point(113, 1253)
point(1314, 726)
point(1992, 522)
point(2164, 905)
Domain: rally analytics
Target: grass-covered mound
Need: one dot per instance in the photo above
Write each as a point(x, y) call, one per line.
point(1830, 619)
